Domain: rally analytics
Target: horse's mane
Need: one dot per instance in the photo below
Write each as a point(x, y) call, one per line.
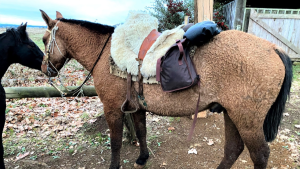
point(19, 36)
point(96, 27)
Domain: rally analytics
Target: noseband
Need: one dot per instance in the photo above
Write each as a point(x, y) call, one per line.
point(46, 61)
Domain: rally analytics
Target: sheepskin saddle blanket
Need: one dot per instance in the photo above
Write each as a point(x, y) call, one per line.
point(127, 40)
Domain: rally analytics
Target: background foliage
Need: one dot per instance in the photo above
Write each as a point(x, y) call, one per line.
point(170, 13)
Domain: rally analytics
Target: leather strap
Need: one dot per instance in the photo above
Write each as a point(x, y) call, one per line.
point(179, 44)
point(147, 43)
point(195, 116)
point(128, 97)
point(140, 79)
point(158, 69)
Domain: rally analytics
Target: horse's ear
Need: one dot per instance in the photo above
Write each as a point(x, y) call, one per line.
point(46, 18)
point(59, 15)
point(22, 28)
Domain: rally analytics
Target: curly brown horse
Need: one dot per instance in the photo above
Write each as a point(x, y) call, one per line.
point(248, 76)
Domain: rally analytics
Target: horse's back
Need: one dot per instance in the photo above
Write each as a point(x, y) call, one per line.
point(236, 69)
point(241, 69)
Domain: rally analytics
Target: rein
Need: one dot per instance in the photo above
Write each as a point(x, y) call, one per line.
point(46, 61)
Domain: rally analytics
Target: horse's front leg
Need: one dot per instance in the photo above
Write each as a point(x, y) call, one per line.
point(141, 133)
point(114, 120)
point(2, 122)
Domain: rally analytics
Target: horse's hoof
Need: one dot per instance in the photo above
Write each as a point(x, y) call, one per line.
point(137, 166)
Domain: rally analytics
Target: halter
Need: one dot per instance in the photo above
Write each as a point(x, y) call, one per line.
point(52, 42)
point(46, 61)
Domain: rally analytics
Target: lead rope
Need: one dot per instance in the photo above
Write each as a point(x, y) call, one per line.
point(195, 116)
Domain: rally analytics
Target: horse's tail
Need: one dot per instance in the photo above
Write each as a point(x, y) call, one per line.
point(274, 115)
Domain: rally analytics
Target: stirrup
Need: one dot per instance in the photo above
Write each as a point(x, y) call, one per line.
point(128, 97)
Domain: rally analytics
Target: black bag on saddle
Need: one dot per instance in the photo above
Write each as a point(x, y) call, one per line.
point(175, 70)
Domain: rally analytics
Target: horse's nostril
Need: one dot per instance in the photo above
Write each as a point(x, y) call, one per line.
point(51, 72)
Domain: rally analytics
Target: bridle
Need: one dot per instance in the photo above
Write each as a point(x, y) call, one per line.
point(50, 48)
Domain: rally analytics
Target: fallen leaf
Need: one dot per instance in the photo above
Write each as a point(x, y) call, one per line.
point(294, 155)
point(171, 128)
point(210, 142)
point(163, 165)
point(155, 119)
point(20, 156)
point(192, 151)
point(20, 117)
point(92, 120)
point(27, 121)
point(55, 114)
point(10, 126)
point(74, 152)
point(297, 126)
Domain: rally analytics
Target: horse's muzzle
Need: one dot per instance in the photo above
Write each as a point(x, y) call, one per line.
point(48, 71)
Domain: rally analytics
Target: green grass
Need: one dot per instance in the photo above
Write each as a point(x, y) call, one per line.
point(38, 40)
point(296, 72)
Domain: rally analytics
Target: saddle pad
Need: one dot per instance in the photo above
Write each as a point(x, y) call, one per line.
point(115, 70)
point(127, 40)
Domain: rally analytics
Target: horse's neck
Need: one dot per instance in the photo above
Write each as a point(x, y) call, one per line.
point(4, 54)
point(85, 46)
point(4, 63)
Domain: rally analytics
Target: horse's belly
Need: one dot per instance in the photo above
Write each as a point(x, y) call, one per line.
point(181, 103)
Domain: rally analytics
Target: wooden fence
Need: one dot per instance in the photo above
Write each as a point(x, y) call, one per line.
point(278, 27)
point(228, 12)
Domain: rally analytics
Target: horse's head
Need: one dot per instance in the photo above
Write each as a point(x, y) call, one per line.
point(25, 51)
point(55, 48)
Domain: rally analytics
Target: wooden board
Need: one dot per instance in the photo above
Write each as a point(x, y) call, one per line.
point(280, 29)
point(203, 10)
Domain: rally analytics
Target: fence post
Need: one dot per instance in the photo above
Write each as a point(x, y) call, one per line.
point(203, 10)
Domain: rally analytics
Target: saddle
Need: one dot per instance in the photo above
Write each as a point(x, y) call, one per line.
point(146, 45)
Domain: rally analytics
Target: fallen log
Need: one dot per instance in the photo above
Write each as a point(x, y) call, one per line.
point(38, 92)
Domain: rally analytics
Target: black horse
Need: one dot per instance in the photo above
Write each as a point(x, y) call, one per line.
point(15, 47)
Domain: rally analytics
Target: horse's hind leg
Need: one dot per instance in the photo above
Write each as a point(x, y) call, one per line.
point(257, 146)
point(234, 144)
point(115, 122)
point(140, 127)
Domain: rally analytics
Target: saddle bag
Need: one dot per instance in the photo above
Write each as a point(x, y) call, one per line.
point(175, 70)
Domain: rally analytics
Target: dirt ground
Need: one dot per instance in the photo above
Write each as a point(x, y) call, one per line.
point(170, 149)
